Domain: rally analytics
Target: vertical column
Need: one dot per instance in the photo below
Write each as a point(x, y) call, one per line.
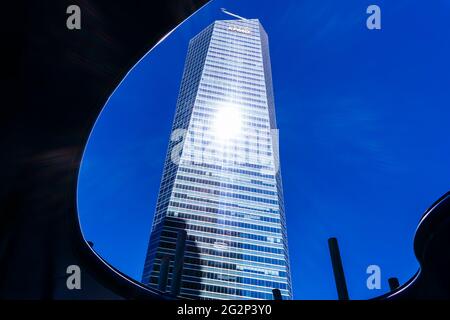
point(178, 262)
point(338, 269)
point(163, 272)
point(393, 283)
point(277, 294)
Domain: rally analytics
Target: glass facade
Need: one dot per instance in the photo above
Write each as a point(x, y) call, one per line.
point(221, 180)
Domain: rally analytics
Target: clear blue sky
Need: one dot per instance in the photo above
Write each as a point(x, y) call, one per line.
point(364, 136)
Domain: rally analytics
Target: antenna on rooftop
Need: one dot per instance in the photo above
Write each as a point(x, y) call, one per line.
point(232, 14)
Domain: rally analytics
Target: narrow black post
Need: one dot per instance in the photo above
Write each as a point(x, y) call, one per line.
point(338, 269)
point(277, 294)
point(178, 263)
point(163, 272)
point(393, 283)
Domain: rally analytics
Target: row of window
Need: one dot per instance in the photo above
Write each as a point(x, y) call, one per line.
point(223, 176)
point(195, 286)
point(232, 101)
point(226, 212)
point(227, 205)
point(226, 185)
point(226, 194)
point(234, 279)
point(237, 224)
point(205, 119)
point(236, 37)
point(183, 225)
point(244, 53)
point(232, 244)
point(243, 58)
point(155, 268)
point(224, 254)
point(231, 169)
point(234, 71)
point(233, 89)
point(221, 61)
point(226, 43)
point(198, 263)
point(239, 67)
point(247, 112)
point(209, 159)
point(201, 129)
point(238, 81)
point(200, 154)
point(214, 76)
point(237, 149)
point(240, 97)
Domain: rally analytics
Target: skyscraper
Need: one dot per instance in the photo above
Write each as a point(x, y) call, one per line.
point(221, 181)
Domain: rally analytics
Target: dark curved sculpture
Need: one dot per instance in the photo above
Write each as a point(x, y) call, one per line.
point(65, 77)
point(431, 247)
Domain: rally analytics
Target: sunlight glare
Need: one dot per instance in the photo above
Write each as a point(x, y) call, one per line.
point(227, 123)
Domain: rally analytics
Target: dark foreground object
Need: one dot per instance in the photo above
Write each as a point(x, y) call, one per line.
point(431, 247)
point(61, 80)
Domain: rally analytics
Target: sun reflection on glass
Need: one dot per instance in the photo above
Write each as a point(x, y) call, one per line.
point(227, 123)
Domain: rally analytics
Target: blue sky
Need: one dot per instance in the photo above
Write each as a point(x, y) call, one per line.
point(364, 139)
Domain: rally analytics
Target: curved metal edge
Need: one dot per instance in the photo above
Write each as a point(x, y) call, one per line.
point(428, 224)
point(108, 275)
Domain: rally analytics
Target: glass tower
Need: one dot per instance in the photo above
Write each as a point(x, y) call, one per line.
point(221, 181)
